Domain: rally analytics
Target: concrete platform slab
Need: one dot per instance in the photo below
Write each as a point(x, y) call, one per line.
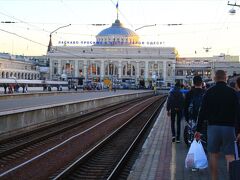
point(161, 159)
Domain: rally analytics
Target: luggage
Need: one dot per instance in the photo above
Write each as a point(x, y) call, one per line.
point(234, 166)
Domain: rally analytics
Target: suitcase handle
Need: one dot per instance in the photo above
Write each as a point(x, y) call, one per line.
point(236, 150)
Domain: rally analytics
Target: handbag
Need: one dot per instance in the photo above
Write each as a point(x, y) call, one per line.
point(234, 166)
point(196, 157)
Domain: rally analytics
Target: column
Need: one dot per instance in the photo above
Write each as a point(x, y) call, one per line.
point(50, 69)
point(85, 64)
point(146, 71)
point(59, 67)
point(102, 70)
point(138, 70)
point(119, 70)
point(164, 70)
point(76, 68)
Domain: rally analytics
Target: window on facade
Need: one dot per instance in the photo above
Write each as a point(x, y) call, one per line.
point(124, 70)
point(179, 72)
point(129, 69)
point(98, 69)
point(54, 70)
point(133, 69)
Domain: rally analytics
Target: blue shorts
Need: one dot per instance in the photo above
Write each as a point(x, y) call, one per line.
point(221, 138)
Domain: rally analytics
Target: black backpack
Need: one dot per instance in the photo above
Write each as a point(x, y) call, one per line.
point(194, 106)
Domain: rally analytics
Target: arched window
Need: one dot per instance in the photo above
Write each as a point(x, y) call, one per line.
point(7, 74)
point(129, 70)
point(3, 74)
point(111, 69)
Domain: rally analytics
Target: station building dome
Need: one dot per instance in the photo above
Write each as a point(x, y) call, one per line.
point(117, 35)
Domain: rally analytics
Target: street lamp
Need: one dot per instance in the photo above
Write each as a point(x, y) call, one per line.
point(50, 41)
point(233, 11)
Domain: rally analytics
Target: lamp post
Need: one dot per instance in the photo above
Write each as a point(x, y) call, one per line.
point(50, 41)
point(233, 11)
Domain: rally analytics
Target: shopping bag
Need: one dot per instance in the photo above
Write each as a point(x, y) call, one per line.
point(234, 166)
point(196, 157)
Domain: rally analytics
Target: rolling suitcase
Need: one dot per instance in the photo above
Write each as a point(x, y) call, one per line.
point(234, 166)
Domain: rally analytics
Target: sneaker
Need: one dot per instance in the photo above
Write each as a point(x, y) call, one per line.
point(195, 169)
point(173, 139)
point(178, 141)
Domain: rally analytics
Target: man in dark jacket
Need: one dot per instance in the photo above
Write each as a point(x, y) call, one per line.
point(191, 107)
point(175, 105)
point(219, 108)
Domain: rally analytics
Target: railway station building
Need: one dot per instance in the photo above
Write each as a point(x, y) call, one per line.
point(117, 55)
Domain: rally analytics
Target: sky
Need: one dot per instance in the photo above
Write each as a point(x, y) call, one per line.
point(201, 24)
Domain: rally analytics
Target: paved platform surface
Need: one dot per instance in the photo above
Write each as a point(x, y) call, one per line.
point(161, 159)
point(26, 102)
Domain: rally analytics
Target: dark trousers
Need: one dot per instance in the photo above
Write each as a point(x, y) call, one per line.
point(175, 113)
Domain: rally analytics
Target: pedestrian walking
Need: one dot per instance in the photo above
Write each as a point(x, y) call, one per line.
point(175, 105)
point(219, 108)
point(193, 100)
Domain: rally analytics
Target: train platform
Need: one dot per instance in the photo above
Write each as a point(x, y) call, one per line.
point(30, 101)
point(26, 113)
point(160, 159)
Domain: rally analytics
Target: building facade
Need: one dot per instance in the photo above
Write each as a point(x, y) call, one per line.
point(186, 68)
point(17, 67)
point(116, 55)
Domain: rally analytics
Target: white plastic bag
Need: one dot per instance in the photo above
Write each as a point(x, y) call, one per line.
point(196, 157)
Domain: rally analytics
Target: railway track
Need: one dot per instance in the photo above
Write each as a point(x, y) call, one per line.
point(106, 159)
point(26, 141)
point(74, 145)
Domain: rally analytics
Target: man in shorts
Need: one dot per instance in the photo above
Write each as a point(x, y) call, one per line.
point(219, 109)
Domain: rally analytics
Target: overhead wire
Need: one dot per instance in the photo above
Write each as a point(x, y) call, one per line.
point(12, 17)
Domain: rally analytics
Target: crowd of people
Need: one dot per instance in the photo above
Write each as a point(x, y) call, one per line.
point(216, 110)
point(11, 88)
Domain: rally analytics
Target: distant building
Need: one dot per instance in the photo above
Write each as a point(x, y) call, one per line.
point(19, 67)
point(42, 64)
point(187, 67)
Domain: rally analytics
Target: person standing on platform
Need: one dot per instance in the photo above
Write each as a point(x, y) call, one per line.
point(219, 109)
point(175, 105)
point(5, 88)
